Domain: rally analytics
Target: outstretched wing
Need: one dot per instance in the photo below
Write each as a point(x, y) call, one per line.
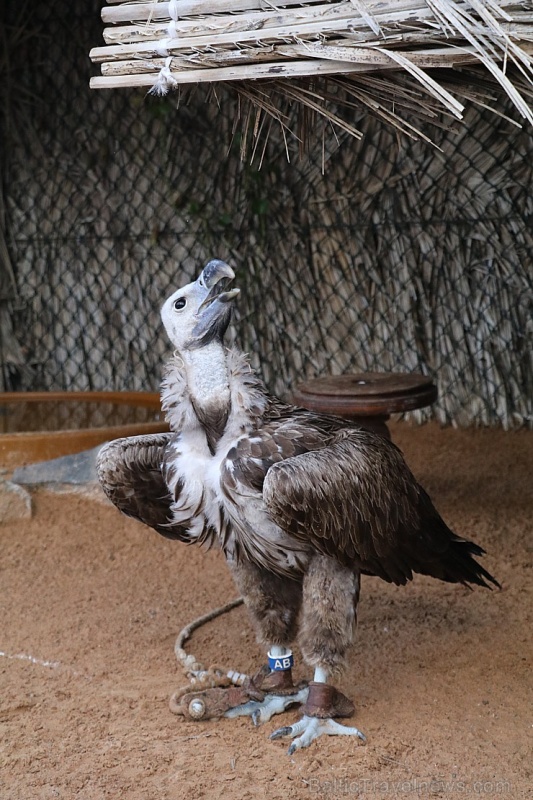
point(356, 500)
point(131, 472)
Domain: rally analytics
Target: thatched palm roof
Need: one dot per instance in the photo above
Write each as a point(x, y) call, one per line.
point(401, 59)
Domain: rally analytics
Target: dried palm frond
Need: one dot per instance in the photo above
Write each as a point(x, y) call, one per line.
point(325, 56)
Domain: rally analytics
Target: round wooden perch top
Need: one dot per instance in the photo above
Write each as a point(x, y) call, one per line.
point(366, 394)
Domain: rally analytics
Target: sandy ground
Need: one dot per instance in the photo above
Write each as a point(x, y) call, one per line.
point(441, 676)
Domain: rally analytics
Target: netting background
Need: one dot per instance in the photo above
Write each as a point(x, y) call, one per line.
point(379, 254)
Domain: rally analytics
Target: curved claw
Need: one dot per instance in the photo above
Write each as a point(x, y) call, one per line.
point(311, 728)
point(287, 730)
point(262, 711)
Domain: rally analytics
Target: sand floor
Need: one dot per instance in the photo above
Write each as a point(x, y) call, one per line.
point(441, 676)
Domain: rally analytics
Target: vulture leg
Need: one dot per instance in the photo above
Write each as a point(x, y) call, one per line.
point(330, 596)
point(273, 603)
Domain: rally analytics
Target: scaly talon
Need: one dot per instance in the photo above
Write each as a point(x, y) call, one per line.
point(311, 728)
point(262, 711)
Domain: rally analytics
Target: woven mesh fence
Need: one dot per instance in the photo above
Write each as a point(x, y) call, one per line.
point(378, 254)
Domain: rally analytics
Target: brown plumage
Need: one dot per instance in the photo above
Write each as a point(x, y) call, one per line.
point(299, 503)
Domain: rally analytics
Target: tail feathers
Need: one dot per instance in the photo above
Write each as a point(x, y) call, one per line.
point(458, 565)
point(447, 556)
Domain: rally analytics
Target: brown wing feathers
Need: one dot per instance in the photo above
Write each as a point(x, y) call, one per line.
point(356, 500)
point(129, 471)
point(339, 490)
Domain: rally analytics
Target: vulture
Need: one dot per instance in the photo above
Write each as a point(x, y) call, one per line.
point(301, 505)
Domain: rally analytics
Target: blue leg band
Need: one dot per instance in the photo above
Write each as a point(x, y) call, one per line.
point(280, 663)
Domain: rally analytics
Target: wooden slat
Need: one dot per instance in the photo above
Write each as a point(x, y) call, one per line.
point(234, 23)
point(284, 69)
point(259, 21)
point(211, 39)
point(366, 57)
point(202, 60)
point(323, 20)
point(144, 399)
point(132, 12)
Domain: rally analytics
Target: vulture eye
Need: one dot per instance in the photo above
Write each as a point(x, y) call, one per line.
point(180, 303)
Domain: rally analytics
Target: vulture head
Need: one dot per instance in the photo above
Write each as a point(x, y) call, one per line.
point(199, 313)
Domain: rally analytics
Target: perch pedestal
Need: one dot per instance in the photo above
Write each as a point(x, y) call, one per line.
point(368, 398)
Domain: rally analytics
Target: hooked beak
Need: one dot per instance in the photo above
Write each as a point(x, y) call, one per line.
point(215, 277)
point(214, 312)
